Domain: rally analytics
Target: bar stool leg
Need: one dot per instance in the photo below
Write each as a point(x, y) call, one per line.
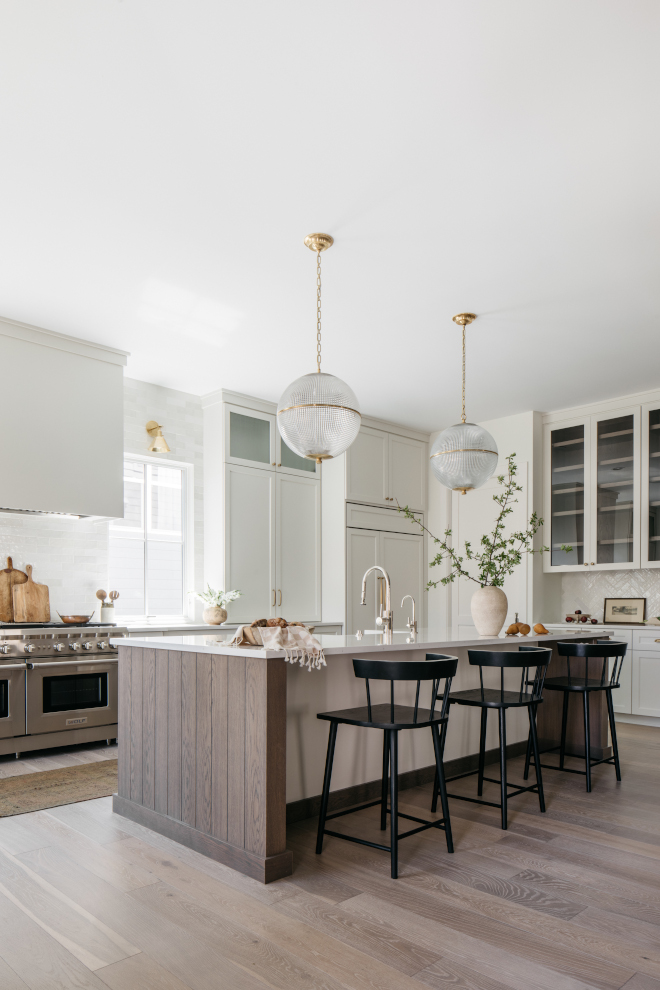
point(587, 740)
point(436, 783)
point(482, 752)
point(564, 724)
point(528, 755)
point(503, 786)
point(440, 772)
point(394, 802)
point(537, 760)
point(326, 785)
point(615, 748)
point(383, 791)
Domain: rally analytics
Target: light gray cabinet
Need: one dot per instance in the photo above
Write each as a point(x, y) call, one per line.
point(402, 556)
point(383, 468)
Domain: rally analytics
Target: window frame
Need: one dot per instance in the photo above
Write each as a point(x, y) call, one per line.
point(188, 537)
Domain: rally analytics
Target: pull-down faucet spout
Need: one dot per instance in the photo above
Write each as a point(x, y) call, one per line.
point(385, 616)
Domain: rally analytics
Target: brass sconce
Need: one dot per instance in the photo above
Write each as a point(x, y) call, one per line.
point(158, 444)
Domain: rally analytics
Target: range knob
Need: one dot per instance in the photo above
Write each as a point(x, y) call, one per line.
point(29, 648)
point(58, 647)
point(87, 646)
point(5, 648)
point(74, 646)
point(102, 645)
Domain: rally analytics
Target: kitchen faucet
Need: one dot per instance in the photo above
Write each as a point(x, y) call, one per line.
point(385, 617)
point(411, 623)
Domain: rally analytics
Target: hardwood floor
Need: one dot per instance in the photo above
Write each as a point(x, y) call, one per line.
point(569, 900)
point(54, 759)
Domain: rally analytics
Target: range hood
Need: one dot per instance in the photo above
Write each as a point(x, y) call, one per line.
point(61, 447)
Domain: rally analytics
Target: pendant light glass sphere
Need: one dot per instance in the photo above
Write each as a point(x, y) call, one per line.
point(464, 457)
point(318, 416)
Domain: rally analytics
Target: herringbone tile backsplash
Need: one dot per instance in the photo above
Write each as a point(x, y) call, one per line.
point(588, 591)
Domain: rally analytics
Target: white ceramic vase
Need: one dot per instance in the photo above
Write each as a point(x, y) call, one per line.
point(214, 615)
point(489, 607)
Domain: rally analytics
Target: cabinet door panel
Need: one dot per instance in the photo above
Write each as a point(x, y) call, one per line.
point(367, 467)
point(298, 515)
point(650, 485)
point(622, 697)
point(361, 553)
point(646, 684)
point(407, 469)
point(402, 556)
point(250, 541)
point(249, 437)
point(567, 512)
point(615, 490)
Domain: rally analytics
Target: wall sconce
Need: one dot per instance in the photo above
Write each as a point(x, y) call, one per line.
point(158, 444)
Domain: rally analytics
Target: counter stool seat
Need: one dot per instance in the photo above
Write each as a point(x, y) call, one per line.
point(392, 719)
point(526, 659)
point(580, 682)
point(492, 698)
point(386, 717)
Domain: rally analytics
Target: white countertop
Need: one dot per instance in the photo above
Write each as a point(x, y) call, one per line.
point(367, 643)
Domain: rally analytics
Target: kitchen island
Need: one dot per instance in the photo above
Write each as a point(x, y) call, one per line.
point(217, 743)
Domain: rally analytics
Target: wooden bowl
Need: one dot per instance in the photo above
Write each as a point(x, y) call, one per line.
point(75, 620)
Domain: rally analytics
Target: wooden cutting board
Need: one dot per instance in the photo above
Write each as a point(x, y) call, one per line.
point(31, 603)
point(9, 577)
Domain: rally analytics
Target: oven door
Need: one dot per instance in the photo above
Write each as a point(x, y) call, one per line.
point(69, 694)
point(12, 699)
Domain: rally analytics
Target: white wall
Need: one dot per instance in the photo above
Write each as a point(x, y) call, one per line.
point(71, 555)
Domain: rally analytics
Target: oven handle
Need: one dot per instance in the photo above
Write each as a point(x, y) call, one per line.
point(72, 663)
point(13, 666)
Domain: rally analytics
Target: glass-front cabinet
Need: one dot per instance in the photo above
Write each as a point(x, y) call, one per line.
point(593, 492)
point(651, 485)
point(253, 440)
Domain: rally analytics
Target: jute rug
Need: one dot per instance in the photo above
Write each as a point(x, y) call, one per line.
point(50, 788)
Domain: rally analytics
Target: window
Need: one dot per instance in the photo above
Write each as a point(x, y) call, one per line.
point(148, 546)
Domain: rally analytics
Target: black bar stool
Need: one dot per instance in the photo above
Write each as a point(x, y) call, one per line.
point(392, 719)
point(527, 659)
point(582, 684)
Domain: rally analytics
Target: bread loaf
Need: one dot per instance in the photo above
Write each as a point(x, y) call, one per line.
point(277, 622)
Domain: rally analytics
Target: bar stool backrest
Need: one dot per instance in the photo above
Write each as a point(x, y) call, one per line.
point(521, 659)
point(603, 650)
point(436, 667)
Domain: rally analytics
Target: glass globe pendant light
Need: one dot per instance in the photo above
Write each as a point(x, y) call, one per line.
point(318, 414)
point(464, 456)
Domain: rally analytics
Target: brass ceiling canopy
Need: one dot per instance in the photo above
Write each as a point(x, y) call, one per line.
point(464, 319)
point(319, 242)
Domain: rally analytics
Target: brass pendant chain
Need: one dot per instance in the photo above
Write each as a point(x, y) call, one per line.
point(463, 413)
point(318, 312)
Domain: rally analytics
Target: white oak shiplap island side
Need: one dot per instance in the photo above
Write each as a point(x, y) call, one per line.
point(215, 742)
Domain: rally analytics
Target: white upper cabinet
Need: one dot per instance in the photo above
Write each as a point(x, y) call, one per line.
point(367, 467)
point(253, 440)
point(298, 540)
point(592, 470)
point(383, 468)
point(650, 485)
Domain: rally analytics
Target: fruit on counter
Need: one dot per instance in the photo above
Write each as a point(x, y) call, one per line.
point(594, 622)
point(524, 629)
point(578, 611)
point(569, 618)
point(584, 618)
point(513, 629)
point(540, 629)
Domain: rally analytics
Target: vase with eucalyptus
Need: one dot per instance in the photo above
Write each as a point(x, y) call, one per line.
point(215, 612)
point(495, 558)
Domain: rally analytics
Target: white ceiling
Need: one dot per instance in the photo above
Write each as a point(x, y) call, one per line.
point(162, 161)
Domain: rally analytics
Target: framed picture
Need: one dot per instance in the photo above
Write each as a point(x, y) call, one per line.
point(624, 611)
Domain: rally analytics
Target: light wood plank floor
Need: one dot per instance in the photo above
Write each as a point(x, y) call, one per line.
point(569, 900)
point(55, 759)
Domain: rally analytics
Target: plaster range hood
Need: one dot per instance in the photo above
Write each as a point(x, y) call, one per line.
point(61, 401)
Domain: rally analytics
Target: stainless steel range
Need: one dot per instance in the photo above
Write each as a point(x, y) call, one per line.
point(58, 685)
